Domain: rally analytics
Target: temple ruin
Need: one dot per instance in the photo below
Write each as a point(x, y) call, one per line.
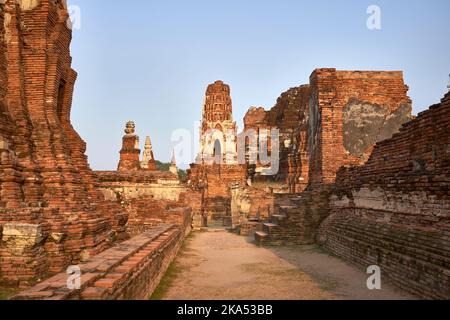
point(357, 174)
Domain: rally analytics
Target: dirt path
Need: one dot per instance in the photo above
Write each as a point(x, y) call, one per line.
point(221, 265)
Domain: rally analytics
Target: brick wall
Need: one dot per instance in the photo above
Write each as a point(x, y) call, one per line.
point(3, 80)
point(214, 181)
point(394, 211)
point(148, 197)
point(349, 112)
point(290, 117)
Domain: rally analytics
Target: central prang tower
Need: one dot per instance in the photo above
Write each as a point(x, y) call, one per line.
point(218, 132)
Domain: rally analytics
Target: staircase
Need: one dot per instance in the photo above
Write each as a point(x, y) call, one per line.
point(270, 233)
point(294, 224)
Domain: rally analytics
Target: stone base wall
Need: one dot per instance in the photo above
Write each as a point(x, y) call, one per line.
point(137, 184)
point(416, 260)
point(129, 271)
point(145, 213)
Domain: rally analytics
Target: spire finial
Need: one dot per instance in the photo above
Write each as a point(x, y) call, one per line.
point(148, 143)
point(173, 165)
point(174, 160)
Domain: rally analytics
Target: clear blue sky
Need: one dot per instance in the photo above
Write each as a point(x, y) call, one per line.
point(150, 61)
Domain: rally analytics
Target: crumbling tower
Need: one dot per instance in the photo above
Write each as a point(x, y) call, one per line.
point(218, 143)
point(51, 213)
point(129, 155)
point(217, 167)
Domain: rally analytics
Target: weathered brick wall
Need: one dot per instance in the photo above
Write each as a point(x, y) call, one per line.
point(252, 203)
point(145, 213)
point(148, 197)
point(194, 199)
point(256, 122)
point(3, 80)
point(394, 211)
point(290, 117)
point(349, 112)
point(51, 213)
point(215, 182)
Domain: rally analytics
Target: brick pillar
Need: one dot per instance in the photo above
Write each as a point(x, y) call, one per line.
point(129, 155)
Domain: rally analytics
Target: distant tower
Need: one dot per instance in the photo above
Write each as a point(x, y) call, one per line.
point(129, 155)
point(148, 160)
point(218, 142)
point(173, 165)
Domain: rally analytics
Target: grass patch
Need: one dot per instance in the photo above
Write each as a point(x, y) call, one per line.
point(172, 272)
point(6, 294)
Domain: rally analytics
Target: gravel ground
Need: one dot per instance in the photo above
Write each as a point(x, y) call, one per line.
point(220, 265)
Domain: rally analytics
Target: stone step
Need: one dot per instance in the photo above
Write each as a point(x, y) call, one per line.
point(287, 207)
point(261, 234)
point(261, 237)
point(270, 225)
point(216, 229)
point(279, 216)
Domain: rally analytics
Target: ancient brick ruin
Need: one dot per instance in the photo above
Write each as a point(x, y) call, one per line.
point(349, 113)
point(290, 116)
point(357, 174)
point(394, 211)
point(217, 166)
point(51, 213)
point(368, 200)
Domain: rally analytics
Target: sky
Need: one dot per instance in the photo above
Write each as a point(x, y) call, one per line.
point(151, 61)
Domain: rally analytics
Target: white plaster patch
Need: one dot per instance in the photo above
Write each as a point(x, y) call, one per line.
point(335, 201)
point(368, 199)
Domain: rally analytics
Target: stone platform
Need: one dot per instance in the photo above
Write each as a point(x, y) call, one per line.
point(131, 270)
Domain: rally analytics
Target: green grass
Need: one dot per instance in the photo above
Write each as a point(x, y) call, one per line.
point(6, 294)
point(172, 272)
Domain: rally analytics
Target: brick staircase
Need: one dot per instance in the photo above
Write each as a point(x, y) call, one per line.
point(293, 224)
point(129, 271)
